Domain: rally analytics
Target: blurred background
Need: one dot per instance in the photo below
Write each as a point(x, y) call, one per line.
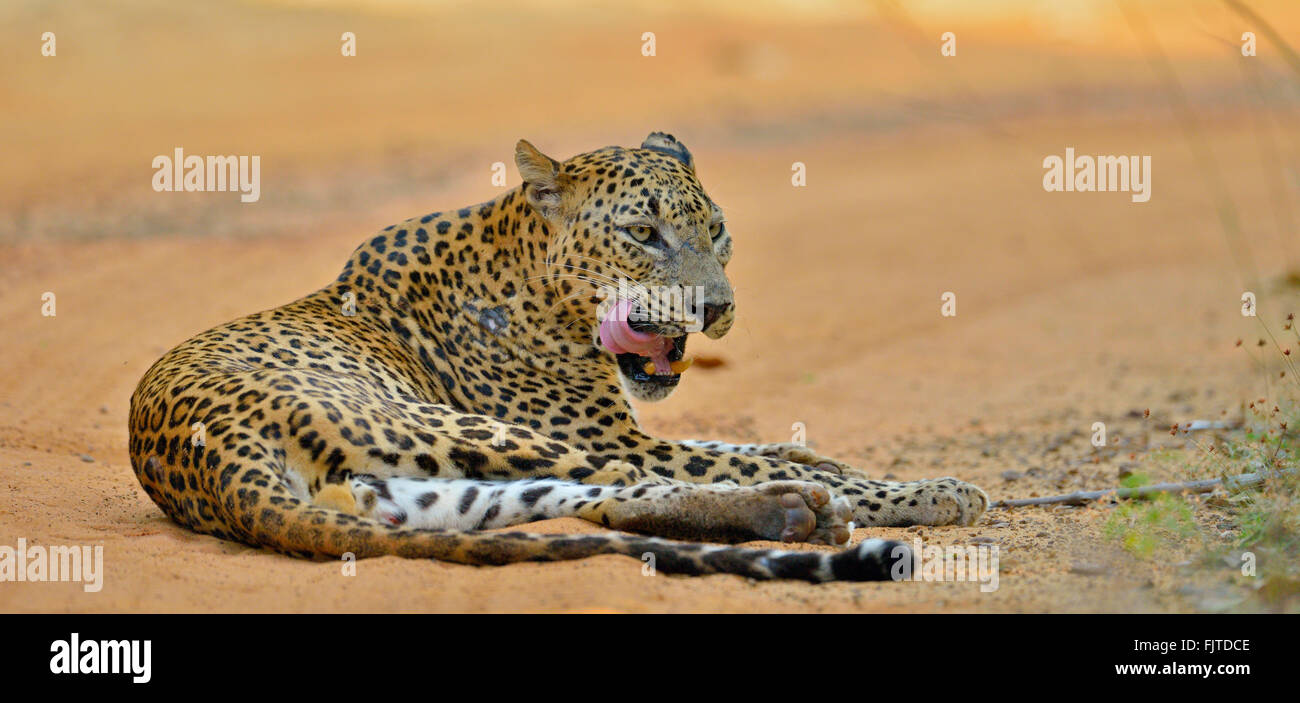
point(924, 172)
point(437, 88)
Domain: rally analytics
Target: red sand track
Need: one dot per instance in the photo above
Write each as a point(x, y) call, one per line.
point(1072, 308)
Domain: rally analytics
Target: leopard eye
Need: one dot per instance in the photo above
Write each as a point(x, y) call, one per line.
point(717, 230)
point(641, 233)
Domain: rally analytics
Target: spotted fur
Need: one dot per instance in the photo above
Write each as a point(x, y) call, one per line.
point(451, 380)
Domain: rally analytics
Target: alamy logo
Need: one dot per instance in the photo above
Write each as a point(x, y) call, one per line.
point(663, 304)
point(194, 174)
point(74, 656)
point(1090, 174)
point(55, 563)
point(976, 563)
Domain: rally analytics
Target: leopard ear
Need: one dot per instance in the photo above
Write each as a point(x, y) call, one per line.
point(668, 144)
point(541, 176)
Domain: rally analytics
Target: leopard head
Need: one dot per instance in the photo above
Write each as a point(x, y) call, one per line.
point(637, 249)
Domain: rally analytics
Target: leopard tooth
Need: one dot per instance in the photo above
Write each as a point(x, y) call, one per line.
point(676, 366)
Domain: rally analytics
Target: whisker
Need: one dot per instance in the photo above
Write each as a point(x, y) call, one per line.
point(580, 277)
point(610, 279)
point(567, 298)
point(614, 266)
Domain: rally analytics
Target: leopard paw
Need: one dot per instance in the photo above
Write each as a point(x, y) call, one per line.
point(801, 454)
point(940, 501)
point(374, 501)
point(801, 511)
point(948, 501)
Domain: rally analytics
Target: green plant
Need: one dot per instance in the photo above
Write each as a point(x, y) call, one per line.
point(1147, 527)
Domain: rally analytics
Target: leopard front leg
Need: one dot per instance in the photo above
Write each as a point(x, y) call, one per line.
point(940, 501)
point(944, 501)
point(785, 451)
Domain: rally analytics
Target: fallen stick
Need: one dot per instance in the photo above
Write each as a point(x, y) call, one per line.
point(1233, 483)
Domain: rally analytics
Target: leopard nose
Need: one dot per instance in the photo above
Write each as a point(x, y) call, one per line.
point(713, 311)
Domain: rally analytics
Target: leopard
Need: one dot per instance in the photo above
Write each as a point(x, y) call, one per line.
point(457, 380)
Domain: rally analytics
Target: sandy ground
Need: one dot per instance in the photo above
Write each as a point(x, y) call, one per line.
point(1072, 308)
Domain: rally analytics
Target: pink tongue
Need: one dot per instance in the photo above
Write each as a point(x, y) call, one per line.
point(619, 337)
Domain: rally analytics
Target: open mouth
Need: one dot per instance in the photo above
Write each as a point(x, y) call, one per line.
point(642, 368)
point(645, 352)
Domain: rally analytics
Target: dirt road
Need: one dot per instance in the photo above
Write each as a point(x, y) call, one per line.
point(1072, 308)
